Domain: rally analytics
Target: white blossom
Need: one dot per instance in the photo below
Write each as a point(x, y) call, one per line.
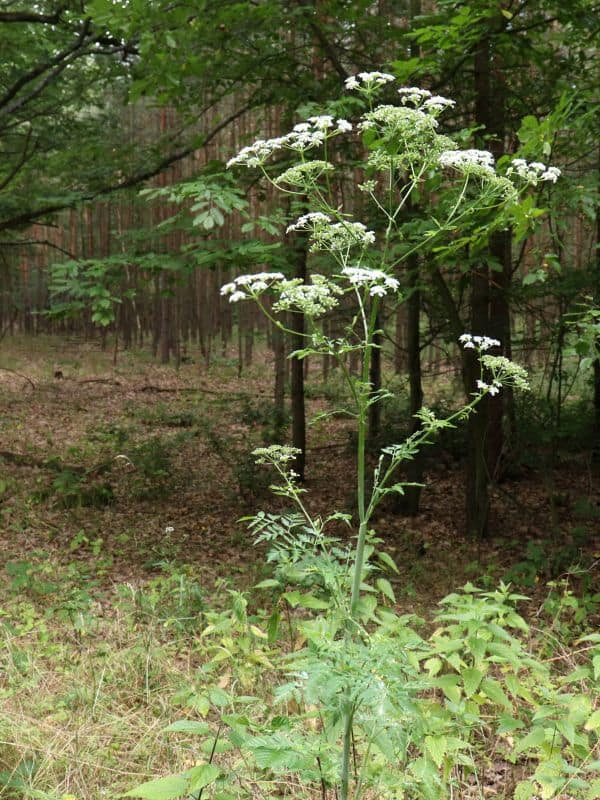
point(245, 286)
point(322, 122)
point(533, 173)
point(463, 160)
point(366, 81)
point(343, 125)
point(304, 136)
point(412, 94)
point(377, 281)
point(308, 220)
point(438, 103)
point(470, 342)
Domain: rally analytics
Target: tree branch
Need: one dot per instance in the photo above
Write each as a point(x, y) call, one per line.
point(28, 16)
point(43, 67)
point(27, 217)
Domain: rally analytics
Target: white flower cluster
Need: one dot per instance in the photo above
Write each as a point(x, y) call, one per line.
point(276, 454)
point(422, 98)
point(368, 80)
point(308, 221)
point(491, 388)
point(535, 172)
point(377, 281)
point(245, 286)
point(468, 160)
point(313, 299)
point(304, 136)
point(340, 236)
point(470, 342)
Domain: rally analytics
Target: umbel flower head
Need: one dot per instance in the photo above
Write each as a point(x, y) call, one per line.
point(378, 282)
point(367, 81)
point(533, 173)
point(313, 299)
point(276, 454)
point(245, 286)
point(304, 136)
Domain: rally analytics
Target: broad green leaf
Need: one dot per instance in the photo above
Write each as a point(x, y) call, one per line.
point(268, 583)
point(200, 703)
point(593, 793)
point(533, 739)
point(471, 680)
point(258, 632)
point(161, 789)
point(385, 587)
point(593, 722)
point(189, 726)
point(448, 685)
point(567, 729)
point(508, 724)
point(388, 561)
point(524, 790)
point(218, 697)
point(273, 626)
point(437, 747)
point(433, 666)
point(492, 689)
point(202, 776)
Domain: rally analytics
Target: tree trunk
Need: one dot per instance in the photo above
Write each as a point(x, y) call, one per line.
point(489, 314)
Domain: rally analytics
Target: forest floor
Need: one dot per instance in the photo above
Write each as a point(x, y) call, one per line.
point(101, 460)
point(126, 484)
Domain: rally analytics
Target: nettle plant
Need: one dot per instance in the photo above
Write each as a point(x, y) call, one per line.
point(362, 704)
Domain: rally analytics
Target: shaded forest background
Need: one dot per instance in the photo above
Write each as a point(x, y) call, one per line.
point(132, 394)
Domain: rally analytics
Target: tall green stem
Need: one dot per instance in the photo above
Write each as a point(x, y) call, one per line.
point(359, 556)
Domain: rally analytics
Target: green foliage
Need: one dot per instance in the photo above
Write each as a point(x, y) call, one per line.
point(94, 285)
point(152, 461)
point(70, 489)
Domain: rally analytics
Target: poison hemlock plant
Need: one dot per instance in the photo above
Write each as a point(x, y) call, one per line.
point(364, 706)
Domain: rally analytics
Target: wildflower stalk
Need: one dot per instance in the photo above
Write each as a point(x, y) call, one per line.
point(409, 148)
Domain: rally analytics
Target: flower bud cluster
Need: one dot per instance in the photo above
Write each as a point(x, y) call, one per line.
point(313, 299)
point(340, 236)
point(276, 454)
point(506, 372)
